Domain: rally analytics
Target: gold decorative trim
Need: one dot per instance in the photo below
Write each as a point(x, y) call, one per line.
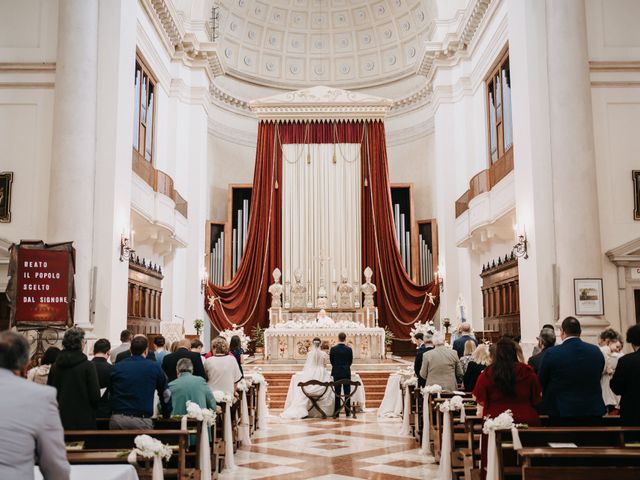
point(616, 84)
point(27, 67)
point(27, 85)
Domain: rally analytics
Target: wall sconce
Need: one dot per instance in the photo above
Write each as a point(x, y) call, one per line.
point(204, 279)
point(439, 274)
point(126, 248)
point(520, 248)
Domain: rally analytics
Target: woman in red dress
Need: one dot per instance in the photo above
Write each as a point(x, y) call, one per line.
point(507, 384)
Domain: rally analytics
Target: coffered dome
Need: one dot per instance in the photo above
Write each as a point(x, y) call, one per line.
point(345, 43)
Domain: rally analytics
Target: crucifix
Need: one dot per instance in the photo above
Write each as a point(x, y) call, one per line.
point(322, 259)
point(322, 300)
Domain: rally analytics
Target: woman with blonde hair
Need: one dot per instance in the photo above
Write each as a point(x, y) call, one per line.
point(480, 359)
point(469, 347)
point(222, 369)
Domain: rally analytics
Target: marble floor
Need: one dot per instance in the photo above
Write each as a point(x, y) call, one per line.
point(339, 449)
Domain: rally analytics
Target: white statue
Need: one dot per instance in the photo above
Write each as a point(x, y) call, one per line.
point(345, 292)
point(460, 310)
point(276, 289)
point(298, 291)
point(368, 288)
point(322, 300)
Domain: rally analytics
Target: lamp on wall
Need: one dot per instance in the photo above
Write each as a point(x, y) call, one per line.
point(126, 247)
point(520, 248)
point(439, 276)
point(204, 278)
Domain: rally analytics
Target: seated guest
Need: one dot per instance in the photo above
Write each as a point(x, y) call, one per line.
point(479, 360)
point(125, 339)
point(536, 348)
point(546, 340)
point(133, 383)
point(189, 387)
point(625, 380)
point(105, 369)
point(127, 353)
point(40, 374)
point(465, 334)
point(421, 349)
point(570, 378)
point(76, 381)
point(160, 351)
point(30, 427)
point(441, 365)
point(222, 368)
point(235, 348)
point(183, 350)
point(507, 384)
point(469, 348)
point(197, 346)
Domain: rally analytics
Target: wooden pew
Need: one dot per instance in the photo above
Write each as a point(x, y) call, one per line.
point(584, 437)
point(570, 463)
point(113, 446)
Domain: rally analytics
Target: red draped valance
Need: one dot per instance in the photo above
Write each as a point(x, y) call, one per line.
point(245, 300)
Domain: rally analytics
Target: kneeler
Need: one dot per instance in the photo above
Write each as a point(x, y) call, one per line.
point(315, 398)
point(345, 397)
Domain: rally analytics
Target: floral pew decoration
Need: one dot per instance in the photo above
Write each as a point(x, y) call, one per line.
point(455, 403)
point(149, 447)
point(208, 418)
point(244, 432)
point(427, 391)
point(262, 411)
point(406, 409)
point(504, 421)
point(228, 400)
point(239, 331)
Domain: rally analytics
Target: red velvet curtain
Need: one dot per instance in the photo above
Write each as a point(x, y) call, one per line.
point(400, 301)
point(245, 300)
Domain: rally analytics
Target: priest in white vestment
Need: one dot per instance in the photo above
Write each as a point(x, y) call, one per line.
point(323, 319)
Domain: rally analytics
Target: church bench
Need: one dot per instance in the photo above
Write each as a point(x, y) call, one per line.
point(585, 463)
point(113, 446)
point(586, 438)
point(252, 405)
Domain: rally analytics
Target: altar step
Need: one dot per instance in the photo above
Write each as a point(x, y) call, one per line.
point(374, 384)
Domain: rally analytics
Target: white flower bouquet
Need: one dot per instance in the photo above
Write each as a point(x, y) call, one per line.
point(149, 447)
point(504, 421)
point(235, 330)
point(222, 397)
point(431, 389)
point(410, 382)
point(257, 377)
point(243, 385)
point(202, 414)
point(323, 324)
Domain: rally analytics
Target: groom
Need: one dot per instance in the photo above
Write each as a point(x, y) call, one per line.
point(341, 357)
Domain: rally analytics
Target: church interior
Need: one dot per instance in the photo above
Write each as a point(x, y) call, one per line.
point(423, 212)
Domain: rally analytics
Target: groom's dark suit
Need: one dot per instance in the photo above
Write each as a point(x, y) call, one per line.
point(341, 357)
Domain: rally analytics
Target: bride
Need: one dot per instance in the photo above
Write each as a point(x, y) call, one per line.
point(297, 405)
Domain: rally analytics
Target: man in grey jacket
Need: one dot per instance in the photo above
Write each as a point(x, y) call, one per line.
point(441, 365)
point(30, 428)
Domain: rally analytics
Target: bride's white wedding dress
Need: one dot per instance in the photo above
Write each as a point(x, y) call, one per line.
point(298, 404)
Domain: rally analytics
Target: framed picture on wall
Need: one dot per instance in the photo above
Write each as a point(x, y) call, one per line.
point(588, 296)
point(636, 194)
point(6, 178)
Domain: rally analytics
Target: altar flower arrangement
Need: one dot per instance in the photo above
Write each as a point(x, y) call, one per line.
point(222, 397)
point(424, 328)
point(235, 330)
point(149, 447)
point(324, 324)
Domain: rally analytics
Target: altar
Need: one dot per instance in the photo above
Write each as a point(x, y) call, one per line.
point(294, 343)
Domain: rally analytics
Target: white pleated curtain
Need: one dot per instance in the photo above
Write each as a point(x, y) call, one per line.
point(321, 214)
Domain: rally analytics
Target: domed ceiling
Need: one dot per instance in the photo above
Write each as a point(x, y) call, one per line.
point(342, 43)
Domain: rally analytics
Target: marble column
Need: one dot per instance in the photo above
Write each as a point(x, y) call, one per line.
point(71, 188)
point(575, 200)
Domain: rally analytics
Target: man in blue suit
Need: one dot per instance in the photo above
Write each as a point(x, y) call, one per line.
point(341, 357)
point(570, 377)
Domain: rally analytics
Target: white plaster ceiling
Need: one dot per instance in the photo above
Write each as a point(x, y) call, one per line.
point(342, 43)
